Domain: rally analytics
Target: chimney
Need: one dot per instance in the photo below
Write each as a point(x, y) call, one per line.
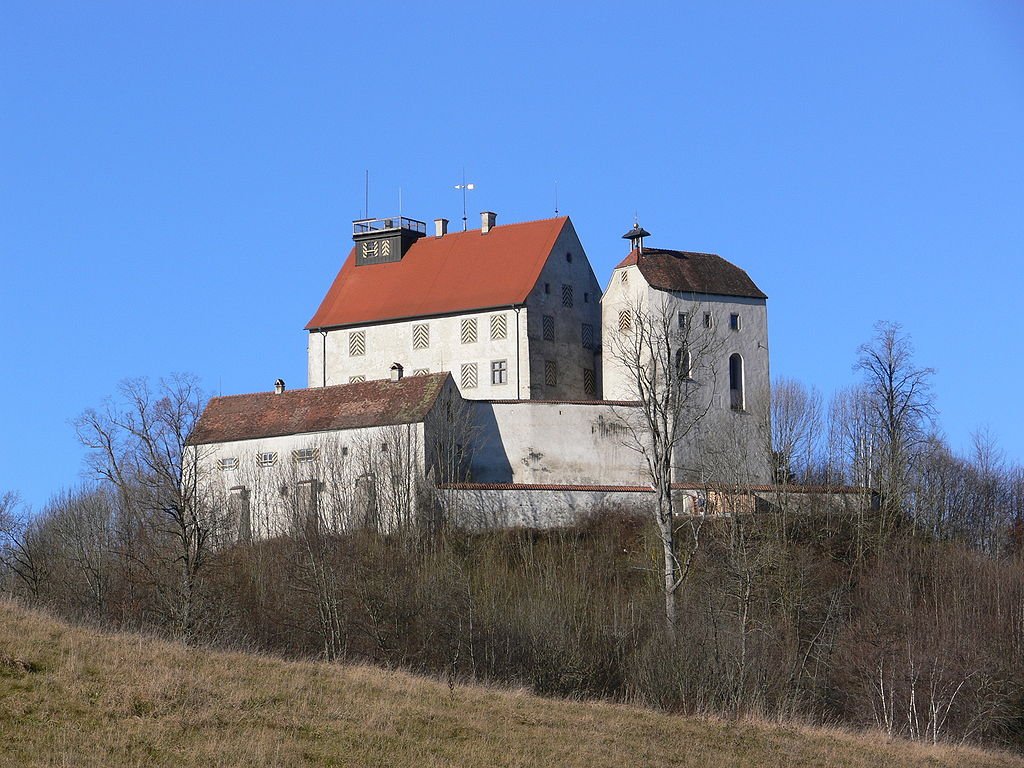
point(488, 221)
point(279, 387)
point(440, 227)
point(396, 372)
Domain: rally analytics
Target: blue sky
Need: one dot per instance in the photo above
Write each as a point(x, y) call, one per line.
point(178, 180)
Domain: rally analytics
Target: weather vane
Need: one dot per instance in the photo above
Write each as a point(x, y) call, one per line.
point(464, 187)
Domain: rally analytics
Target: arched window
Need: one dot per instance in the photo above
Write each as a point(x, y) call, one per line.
point(736, 400)
point(683, 365)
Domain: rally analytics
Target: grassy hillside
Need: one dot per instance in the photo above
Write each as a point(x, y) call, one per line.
point(70, 696)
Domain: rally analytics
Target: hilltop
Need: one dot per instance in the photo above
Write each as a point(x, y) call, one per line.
point(84, 697)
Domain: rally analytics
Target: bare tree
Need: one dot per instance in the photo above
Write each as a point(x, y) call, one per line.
point(900, 405)
point(795, 426)
point(670, 364)
point(138, 444)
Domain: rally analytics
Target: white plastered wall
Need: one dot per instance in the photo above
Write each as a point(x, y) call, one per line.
point(730, 444)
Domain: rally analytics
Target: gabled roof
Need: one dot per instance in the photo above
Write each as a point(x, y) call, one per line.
point(323, 409)
point(459, 272)
point(690, 272)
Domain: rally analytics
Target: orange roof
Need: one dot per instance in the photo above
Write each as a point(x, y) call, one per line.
point(459, 272)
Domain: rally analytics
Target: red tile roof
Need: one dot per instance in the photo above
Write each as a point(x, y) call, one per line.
point(459, 272)
point(347, 406)
point(691, 272)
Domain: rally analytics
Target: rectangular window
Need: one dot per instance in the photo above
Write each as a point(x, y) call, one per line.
point(550, 373)
point(420, 336)
point(469, 330)
point(623, 276)
point(547, 287)
point(588, 336)
point(586, 297)
point(356, 379)
point(709, 321)
point(469, 376)
point(548, 323)
point(421, 372)
point(625, 321)
point(589, 382)
point(499, 327)
point(228, 463)
point(734, 321)
point(266, 459)
point(566, 295)
point(305, 455)
point(684, 320)
point(499, 372)
point(357, 343)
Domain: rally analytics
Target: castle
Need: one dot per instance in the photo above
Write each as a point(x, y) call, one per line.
point(489, 366)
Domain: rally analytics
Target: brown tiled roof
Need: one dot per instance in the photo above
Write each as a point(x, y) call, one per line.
point(347, 406)
point(691, 272)
point(459, 272)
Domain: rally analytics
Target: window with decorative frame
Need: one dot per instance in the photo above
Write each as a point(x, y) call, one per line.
point(356, 379)
point(357, 343)
point(421, 372)
point(469, 376)
point(266, 458)
point(589, 382)
point(566, 295)
point(587, 333)
point(468, 330)
point(548, 327)
point(625, 321)
point(550, 373)
point(421, 336)
point(305, 455)
point(230, 462)
point(499, 326)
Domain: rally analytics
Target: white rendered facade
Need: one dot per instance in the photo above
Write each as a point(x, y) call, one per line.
point(546, 347)
point(732, 438)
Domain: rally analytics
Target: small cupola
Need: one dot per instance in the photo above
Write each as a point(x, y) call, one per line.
point(636, 237)
point(396, 371)
point(379, 241)
point(279, 387)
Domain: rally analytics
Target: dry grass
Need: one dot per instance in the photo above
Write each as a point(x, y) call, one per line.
point(75, 697)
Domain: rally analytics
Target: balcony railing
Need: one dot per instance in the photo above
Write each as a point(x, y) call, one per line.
point(363, 226)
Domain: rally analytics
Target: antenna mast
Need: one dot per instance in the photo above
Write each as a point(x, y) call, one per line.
point(556, 198)
point(366, 195)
